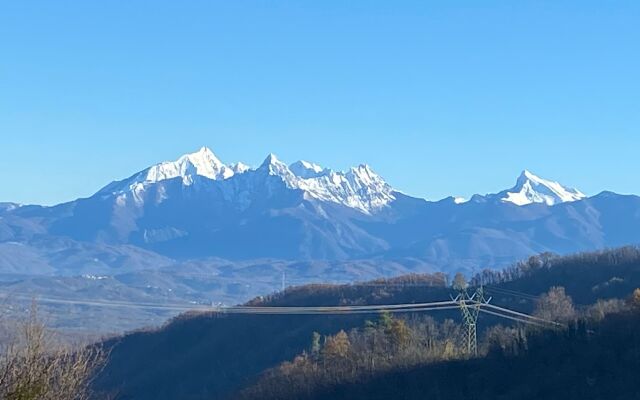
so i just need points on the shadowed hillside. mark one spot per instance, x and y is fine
(599, 362)
(212, 355)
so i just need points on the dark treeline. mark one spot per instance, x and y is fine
(208, 355)
(623, 256)
(595, 356)
(586, 276)
(407, 288)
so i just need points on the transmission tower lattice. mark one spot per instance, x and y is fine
(470, 308)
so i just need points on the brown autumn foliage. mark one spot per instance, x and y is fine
(556, 306)
(34, 366)
(395, 346)
(386, 344)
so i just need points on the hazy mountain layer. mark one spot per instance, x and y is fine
(232, 226)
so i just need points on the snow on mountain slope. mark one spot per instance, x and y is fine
(306, 211)
(359, 188)
(532, 189)
(305, 169)
(202, 163)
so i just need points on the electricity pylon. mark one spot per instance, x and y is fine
(470, 308)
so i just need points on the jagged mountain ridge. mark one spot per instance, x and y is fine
(197, 206)
(358, 188)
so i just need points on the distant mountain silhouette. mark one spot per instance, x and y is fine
(199, 207)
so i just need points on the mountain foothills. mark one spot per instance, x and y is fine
(199, 207)
(219, 355)
(199, 231)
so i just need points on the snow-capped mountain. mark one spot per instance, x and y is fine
(202, 163)
(359, 188)
(532, 189)
(199, 206)
(210, 221)
(305, 169)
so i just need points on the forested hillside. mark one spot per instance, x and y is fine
(586, 361)
(214, 355)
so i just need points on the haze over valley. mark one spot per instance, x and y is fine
(197, 232)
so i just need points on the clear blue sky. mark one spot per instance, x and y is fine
(440, 97)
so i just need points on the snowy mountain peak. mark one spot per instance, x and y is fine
(200, 163)
(526, 175)
(358, 188)
(530, 188)
(203, 152)
(203, 163)
(365, 173)
(274, 166)
(271, 160)
(305, 169)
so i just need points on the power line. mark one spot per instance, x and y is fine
(469, 305)
(526, 321)
(266, 311)
(520, 314)
(406, 307)
(109, 303)
(511, 292)
(336, 309)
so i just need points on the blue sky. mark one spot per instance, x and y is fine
(440, 97)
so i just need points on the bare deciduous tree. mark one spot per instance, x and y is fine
(34, 366)
(555, 305)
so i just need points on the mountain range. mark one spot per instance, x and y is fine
(198, 207)
(237, 225)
